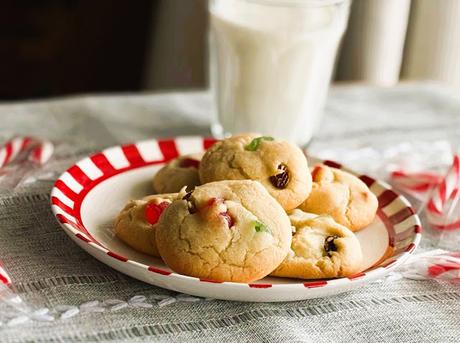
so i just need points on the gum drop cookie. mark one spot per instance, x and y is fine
(278, 165)
(224, 231)
(180, 172)
(137, 222)
(341, 195)
(321, 248)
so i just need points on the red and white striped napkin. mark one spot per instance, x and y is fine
(8, 294)
(436, 264)
(20, 157)
(441, 193)
(39, 151)
(4, 277)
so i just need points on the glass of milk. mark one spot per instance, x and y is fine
(271, 63)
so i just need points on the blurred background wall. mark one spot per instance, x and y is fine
(433, 41)
(177, 47)
(372, 49)
(57, 47)
(53, 47)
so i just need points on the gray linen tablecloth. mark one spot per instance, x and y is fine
(50, 270)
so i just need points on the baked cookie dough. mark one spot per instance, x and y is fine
(136, 223)
(278, 165)
(224, 231)
(341, 195)
(321, 248)
(180, 172)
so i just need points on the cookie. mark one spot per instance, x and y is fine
(341, 195)
(278, 165)
(180, 172)
(136, 223)
(321, 248)
(224, 231)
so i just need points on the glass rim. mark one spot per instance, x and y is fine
(298, 3)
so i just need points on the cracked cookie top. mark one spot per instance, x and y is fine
(278, 165)
(321, 248)
(341, 195)
(180, 172)
(224, 231)
(136, 223)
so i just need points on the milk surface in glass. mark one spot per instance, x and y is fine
(271, 63)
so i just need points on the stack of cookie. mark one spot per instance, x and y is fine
(250, 207)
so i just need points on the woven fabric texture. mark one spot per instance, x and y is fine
(49, 270)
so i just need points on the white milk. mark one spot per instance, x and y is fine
(271, 65)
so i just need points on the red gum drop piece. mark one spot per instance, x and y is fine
(228, 218)
(163, 205)
(189, 163)
(214, 201)
(315, 171)
(154, 211)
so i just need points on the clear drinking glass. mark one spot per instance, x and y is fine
(271, 63)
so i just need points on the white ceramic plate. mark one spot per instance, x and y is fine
(87, 197)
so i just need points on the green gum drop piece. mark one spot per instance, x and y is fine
(261, 227)
(256, 142)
